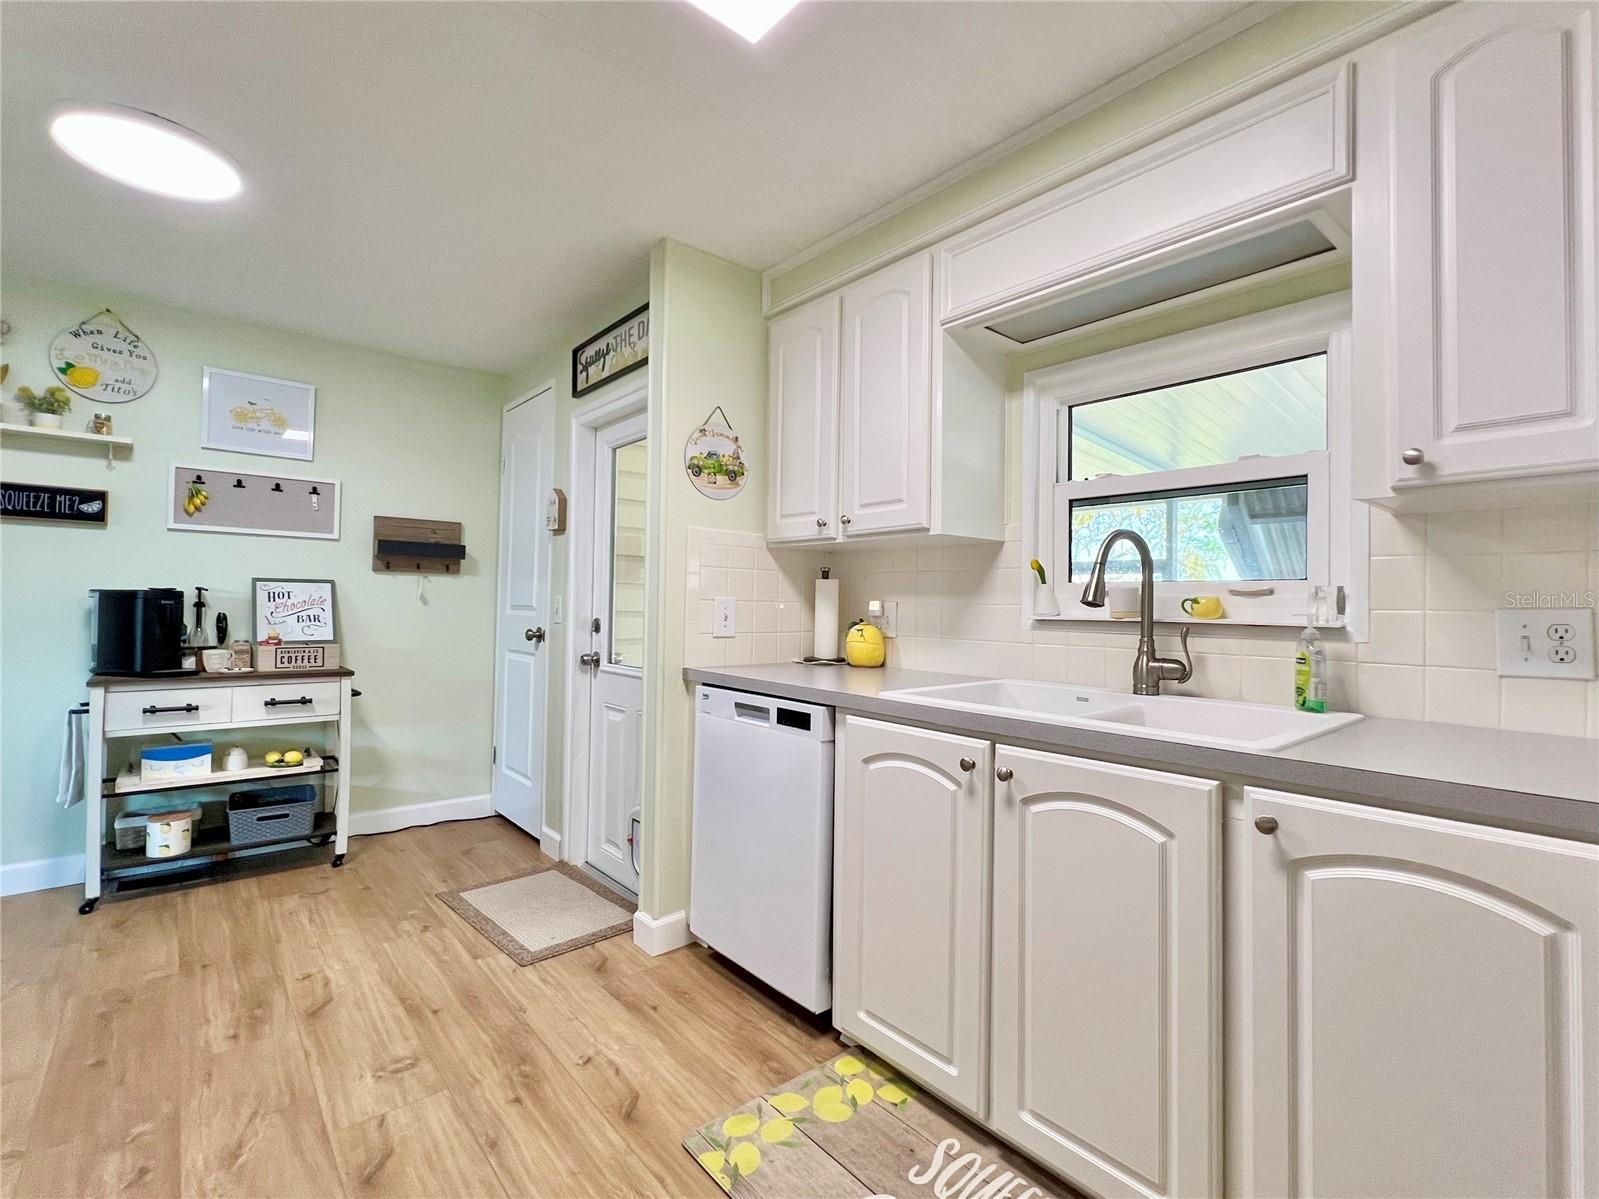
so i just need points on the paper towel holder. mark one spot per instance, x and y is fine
(811, 659)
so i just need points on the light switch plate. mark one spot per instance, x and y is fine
(724, 616)
(1545, 643)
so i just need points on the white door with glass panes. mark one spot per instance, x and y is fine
(1225, 449)
(885, 401)
(521, 676)
(616, 652)
(802, 408)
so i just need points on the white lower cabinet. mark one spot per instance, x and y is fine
(1105, 1057)
(910, 902)
(1423, 1002)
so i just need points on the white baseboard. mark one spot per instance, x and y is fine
(656, 935)
(550, 842)
(40, 874)
(411, 815)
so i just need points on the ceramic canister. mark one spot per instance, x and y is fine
(169, 834)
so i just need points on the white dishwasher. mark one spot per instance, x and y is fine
(761, 887)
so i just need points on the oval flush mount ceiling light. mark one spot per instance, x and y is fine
(145, 151)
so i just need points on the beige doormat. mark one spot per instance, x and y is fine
(852, 1126)
(535, 916)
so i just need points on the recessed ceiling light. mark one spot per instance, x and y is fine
(750, 19)
(145, 151)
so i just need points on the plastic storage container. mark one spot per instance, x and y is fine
(271, 814)
(174, 763)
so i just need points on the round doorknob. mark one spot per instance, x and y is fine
(534, 634)
(1004, 774)
(1266, 824)
(968, 765)
(1413, 457)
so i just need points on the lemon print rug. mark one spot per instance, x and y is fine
(854, 1127)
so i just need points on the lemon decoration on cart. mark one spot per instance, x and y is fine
(833, 1093)
(864, 645)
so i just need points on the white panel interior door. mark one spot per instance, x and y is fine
(910, 910)
(803, 416)
(616, 652)
(521, 677)
(1424, 1005)
(1107, 967)
(886, 400)
(1494, 117)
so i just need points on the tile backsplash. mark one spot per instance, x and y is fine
(1436, 580)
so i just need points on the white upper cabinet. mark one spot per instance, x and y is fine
(1476, 331)
(1421, 1006)
(1106, 966)
(910, 918)
(885, 400)
(802, 363)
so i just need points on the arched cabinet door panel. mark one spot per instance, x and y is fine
(910, 914)
(1425, 1005)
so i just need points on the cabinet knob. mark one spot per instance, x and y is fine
(968, 765)
(820, 523)
(843, 520)
(1266, 824)
(1004, 774)
(1412, 457)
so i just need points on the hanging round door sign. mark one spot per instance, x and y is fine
(714, 460)
(103, 360)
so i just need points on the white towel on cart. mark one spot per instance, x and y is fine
(70, 790)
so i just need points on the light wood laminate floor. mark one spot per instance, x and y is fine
(340, 1032)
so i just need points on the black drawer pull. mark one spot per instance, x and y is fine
(152, 710)
(283, 703)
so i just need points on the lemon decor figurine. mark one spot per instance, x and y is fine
(863, 645)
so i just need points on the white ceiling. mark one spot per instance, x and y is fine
(459, 181)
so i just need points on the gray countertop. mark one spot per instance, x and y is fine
(1528, 781)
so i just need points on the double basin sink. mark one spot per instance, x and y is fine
(1224, 724)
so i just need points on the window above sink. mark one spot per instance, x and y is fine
(1226, 448)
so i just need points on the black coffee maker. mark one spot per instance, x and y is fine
(138, 632)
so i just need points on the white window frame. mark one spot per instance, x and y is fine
(1337, 553)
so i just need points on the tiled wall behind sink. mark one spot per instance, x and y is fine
(1435, 579)
(773, 590)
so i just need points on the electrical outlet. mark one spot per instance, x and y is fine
(1547, 643)
(885, 615)
(724, 616)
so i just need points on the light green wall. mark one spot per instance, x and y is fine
(707, 347)
(405, 438)
(552, 365)
(1261, 48)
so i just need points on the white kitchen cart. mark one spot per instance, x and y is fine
(121, 708)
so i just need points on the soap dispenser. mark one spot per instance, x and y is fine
(1310, 669)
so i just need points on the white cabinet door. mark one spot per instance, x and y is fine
(1483, 121)
(910, 890)
(803, 422)
(1424, 1005)
(886, 401)
(1107, 972)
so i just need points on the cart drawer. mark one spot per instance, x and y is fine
(288, 700)
(174, 707)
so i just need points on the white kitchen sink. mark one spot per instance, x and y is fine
(1226, 724)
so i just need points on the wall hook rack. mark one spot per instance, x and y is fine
(405, 546)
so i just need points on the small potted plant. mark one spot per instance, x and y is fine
(45, 410)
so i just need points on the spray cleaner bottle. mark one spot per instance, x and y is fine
(1310, 669)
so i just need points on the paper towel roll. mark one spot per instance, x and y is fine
(826, 618)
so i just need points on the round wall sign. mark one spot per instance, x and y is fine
(714, 460)
(103, 360)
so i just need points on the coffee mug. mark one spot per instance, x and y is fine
(1203, 607)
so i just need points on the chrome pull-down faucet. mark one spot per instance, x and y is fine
(1149, 669)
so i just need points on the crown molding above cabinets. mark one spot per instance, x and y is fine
(1476, 315)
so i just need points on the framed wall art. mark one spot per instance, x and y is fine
(292, 610)
(612, 353)
(256, 414)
